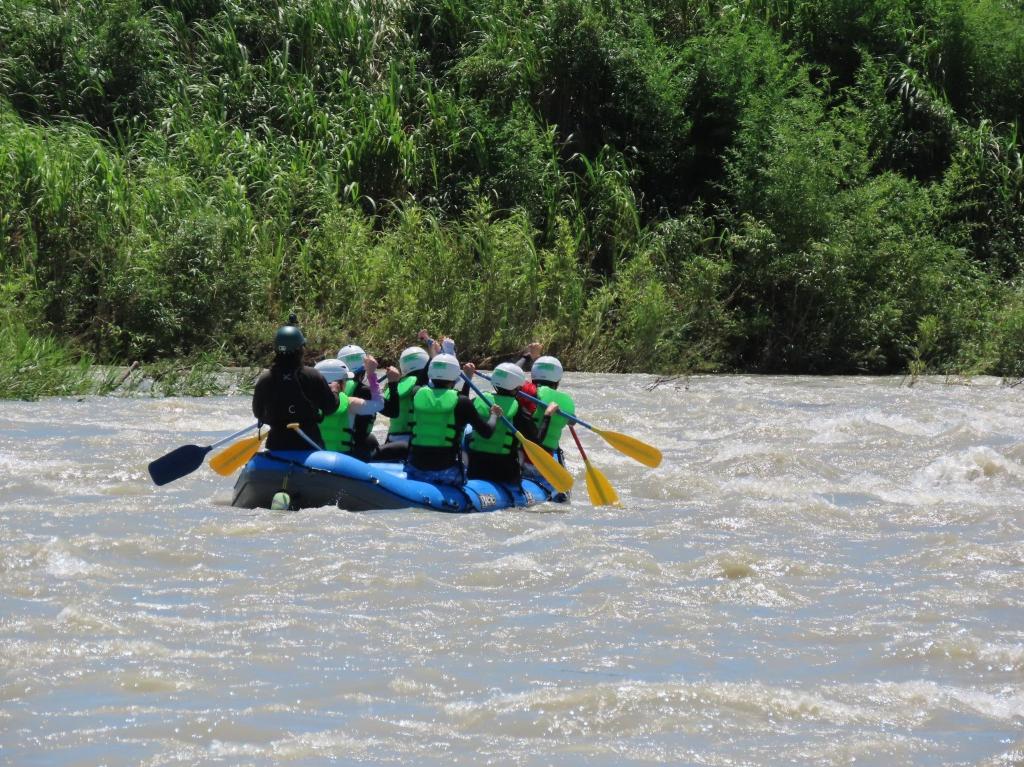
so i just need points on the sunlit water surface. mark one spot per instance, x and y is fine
(823, 571)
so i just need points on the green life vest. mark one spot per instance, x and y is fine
(402, 423)
(547, 395)
(434, 425)
(499, 443)
(335, 430)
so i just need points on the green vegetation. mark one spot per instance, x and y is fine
(32, 366)
(814, 186)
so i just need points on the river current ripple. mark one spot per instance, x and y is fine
(823, 571)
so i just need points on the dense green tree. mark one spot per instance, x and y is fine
(798, 185)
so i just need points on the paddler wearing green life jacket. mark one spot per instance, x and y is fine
(410, 373)
(338, 428)
(496, 458)
(364, 442)
(441, 415)
(547, 374)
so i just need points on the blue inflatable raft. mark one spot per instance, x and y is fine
(325, 478)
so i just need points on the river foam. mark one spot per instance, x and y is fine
(824, 571)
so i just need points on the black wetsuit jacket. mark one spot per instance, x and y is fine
(287, 394)
(363, 424)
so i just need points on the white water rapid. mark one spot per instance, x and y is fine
(823, 571)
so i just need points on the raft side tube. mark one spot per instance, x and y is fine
(325, 478)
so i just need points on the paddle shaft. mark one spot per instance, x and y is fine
(230, 437)
(305, 436)
(185, 459)
(578, 444)
(639, 451)
(539, 401)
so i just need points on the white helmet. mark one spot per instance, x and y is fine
(444, 367)
(547, 369)
(414, 358)
(333, 370)
(352, 356)
(508, 376)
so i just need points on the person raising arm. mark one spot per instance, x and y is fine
(339, 429)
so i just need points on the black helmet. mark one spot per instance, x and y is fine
(288, 339)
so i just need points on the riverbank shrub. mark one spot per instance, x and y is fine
(641, 185)
(34, 366)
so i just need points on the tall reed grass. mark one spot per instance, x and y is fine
(640, 184)
(34, 366)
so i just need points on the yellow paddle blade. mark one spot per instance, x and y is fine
(646, 454)
(233, 457)
(546, 464)
(600, 489)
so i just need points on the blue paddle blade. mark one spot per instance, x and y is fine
(177, 463)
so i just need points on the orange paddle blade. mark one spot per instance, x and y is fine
(233, 457)
(546, 464)
(599, 488)
(646, 454)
